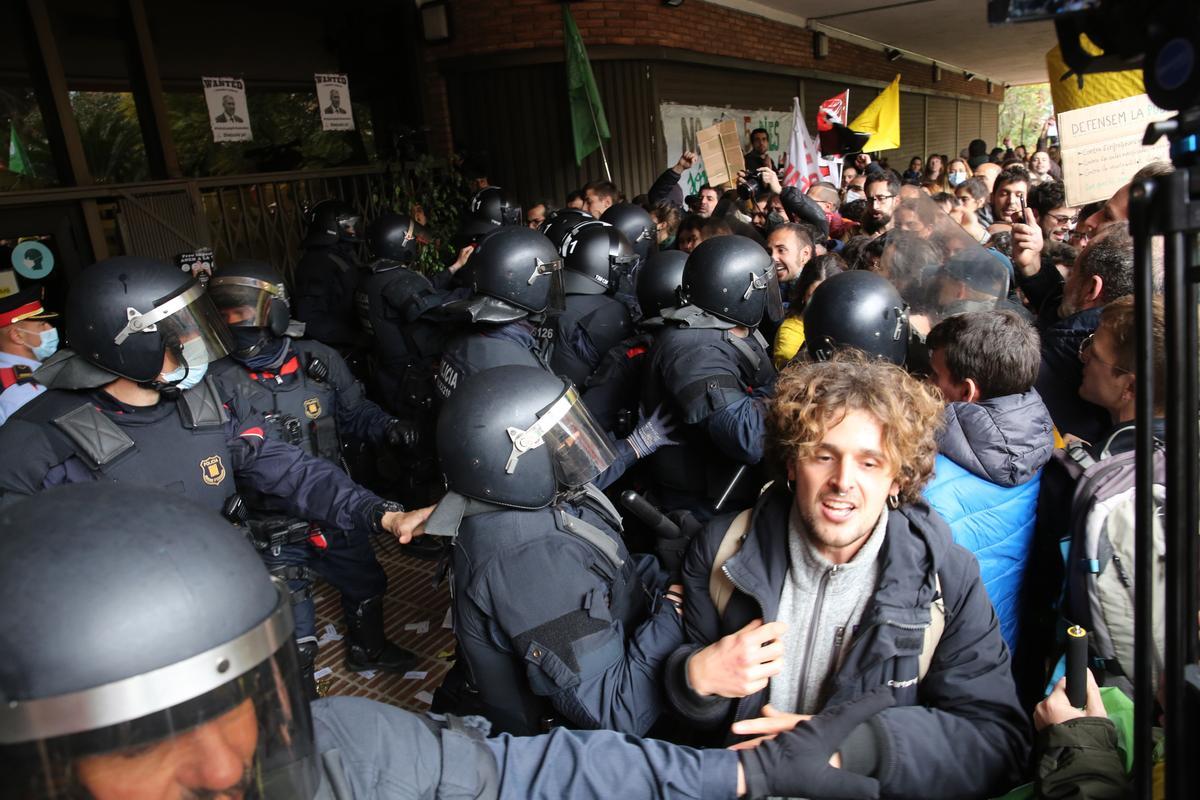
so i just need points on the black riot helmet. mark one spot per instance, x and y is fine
(493, 204)
(396, 237)
(125, 314)
(517, 436)
(593, 252)
(561, 222)
(140, 625)
(331, 221)
(732, 277)
(637, 225)
(857, 309)
(658, 282)
(514, 272)
(253, 299)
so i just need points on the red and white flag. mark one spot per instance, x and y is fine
(835, 110)
(802, 153)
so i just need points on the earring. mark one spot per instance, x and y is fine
(893, 501)
(790, 485)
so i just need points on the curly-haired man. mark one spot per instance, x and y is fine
(841, 581)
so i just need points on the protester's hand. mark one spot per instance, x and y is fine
(685, 162)
(739, 664)
(406, 525)
(653, 431)
(799, 762)
(772, 723)
(770, 179)
(1027, 244)
(861, 160)
(463, 255)
(1056, 708)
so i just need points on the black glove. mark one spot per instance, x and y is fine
(796, 763)
(671, 551)
(401, 433)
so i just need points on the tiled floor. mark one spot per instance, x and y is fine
(411, 599)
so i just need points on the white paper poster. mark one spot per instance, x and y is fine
(333, 98)
(1102, 146)
(227, 110)
(681, 124)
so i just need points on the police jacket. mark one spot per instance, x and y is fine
(714, 382)
(194, 446)
(484, 347)
(312, 401)
(985, 485)
(614, 391)
(372, 751)
(557, 622)
(1061, 373)
(390, 300)
(325, 281)
(959, 732)
(590, 325)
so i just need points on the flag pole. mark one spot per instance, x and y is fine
(599, 138)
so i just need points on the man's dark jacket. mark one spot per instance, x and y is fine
(959, 732)
(1061, 373)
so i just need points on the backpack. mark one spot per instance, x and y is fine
(720, 588)
(1099, 594)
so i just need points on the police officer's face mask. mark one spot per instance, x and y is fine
(47, 345)
(192, 370)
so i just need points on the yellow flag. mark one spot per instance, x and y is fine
(1098, 87)
(881, 119)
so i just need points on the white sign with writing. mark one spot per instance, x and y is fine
(681, 124)
(333, 98)
(227, 110)
(1102, 146)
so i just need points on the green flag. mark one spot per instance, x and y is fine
(587, 114)
(18, 156)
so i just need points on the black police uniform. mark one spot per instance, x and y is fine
(513, 343)
(195, 446)
(714, 382)
(325, 281)
(585, 331)
(557, 624)
(308, 402)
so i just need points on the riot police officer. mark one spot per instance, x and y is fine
(307, 397)
(857, 309)
(488, 209)
(327, 275)
(151, 658)
(514, 279)
(556, 622)
(639, 228)
(594, 255)
(131, 402)
(713, 370)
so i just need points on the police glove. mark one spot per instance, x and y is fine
(403, 434)
(672, 550)
(652, 432)
(796, 763)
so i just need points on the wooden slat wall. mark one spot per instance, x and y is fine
(989, 124)
(941, 125)
(968, 125)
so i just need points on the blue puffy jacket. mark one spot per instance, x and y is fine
(985, 485)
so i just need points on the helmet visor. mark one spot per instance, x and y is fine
(187, 319)
(244, 302)
(551, 272)
(250, 736)
(579, 449)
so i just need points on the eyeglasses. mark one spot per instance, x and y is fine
(1085, 353)
(879, 198)
(1063, 219)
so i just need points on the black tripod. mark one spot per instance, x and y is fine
(1169, 206)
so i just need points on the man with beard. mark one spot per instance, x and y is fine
(1054, 216)
(882, 189)
(1008, 195)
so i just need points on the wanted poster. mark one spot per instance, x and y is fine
(333, 98)
(227, 110)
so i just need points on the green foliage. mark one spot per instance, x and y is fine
(1023, 113)
(437, 187)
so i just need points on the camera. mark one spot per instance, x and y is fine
(750, 187)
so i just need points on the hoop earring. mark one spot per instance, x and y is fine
(893, 501)
(791, 486)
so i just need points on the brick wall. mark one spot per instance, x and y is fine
(483, 27)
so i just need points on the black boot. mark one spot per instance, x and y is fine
(367, 647)
(307, 649)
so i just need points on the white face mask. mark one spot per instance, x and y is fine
(956, 178)
(854, 194)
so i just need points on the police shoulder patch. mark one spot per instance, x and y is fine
(212, 469)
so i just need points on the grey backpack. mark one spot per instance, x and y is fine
(1100, 560)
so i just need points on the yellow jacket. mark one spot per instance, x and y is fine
(788, 341)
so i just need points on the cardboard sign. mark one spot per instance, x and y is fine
(1102, 146)
(227, 110)
(722, 152)
(333, 98)
(682, 124)
(199, 264)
